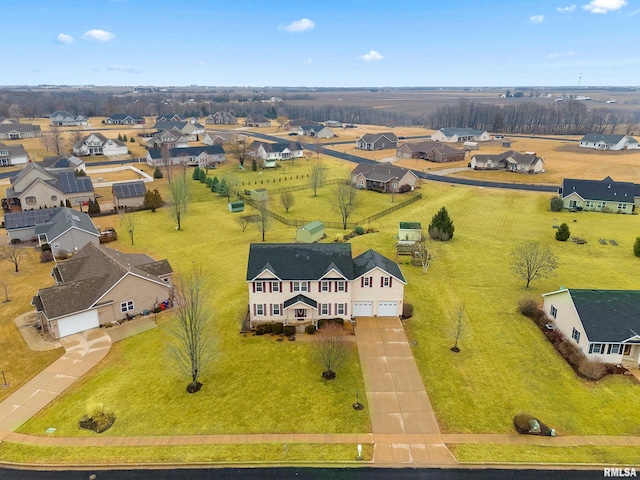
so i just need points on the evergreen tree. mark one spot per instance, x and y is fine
(223, 190)
(441, 226)
(196, 173)
(119, 137)
(563, 233)
(152, 200)
(157, 173)
(94, 207)
(215, 184)
(124, 137)
(202, 175)
(636, 247)
(254, 164)
(132, 140)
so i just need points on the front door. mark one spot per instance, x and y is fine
(627, 350)
(301, 313)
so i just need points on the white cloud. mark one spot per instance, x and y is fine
(371, 56)
(568, 9)
(536, 19)
(604, 6)
(99, 35)
(64, 38)
(122, 68)
(298, 26)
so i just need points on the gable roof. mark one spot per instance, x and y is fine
(381, 172)
(313, 227)
(510, 156)
(370, 260)
(13, 150)
(606, 190)
(64, 219)
(19, 127)
(28, 218)
(374, 137)
(122, 116)
(276, 147)
(451, 131)
(133, 189)
(410, 225)
(606, 138)
(70, 161)
(429, 145)
(156, 153)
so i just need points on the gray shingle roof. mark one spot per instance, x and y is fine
(451, 131)
(19, 127)
(276, 147)
(606, 190)
(129, 189)
(373, 137)
(28, 218)
(371, 259)
(64, 219)
(606, 138)
(380, 172)
(156, 153)
(70, 161)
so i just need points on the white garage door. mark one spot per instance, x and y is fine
(387, 309)
(362, 309)
(78, 323)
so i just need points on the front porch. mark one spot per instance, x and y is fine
(300, 310)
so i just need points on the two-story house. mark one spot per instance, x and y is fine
(97, 144)
(298, 284)
(268, 154)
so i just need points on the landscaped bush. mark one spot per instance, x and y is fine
(15, 241)
(528, 306)
(563, 233)
(404, 188)
(261, 329)
(46, 256)
(310, 329)
(98, 419)
(289, 330)
(44, 247)
(359, 230)
(407, 310)
(528, 424)
(556, 204)
(592, 369)
(268, 328)
(157, 173)
(323, 321)
(276, 328)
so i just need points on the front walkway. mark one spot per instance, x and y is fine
(405, 429)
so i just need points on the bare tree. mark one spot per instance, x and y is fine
(458, 325)
(165, 152)
(317, 177)
(282, 120)
(243, 222)
(193, 343)
(231, 181)
(6, 292)
(331, 349)
(13, 254)
(52, 140)
(238, 148)
(344, 201)
(179, 197)
(287, 200)
(129, 222)
(264, 218)
(76, 136)
(531, 260)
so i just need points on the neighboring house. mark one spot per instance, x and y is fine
(202, 156)
(603, 323)
(217, 138)
(99, 286)
(257, 120)
(8, 121)
(333, 124)
(269, 153)
(377, 141)
(315, 131)
(297, 123)
(410, 231)
(383, 177)
(98, 144)
(191, 131)
(600, 195)
(64, 163)
(16, 131)
(170, 117)
(510, 161)
(460, 135)
(123, 119)
(311, 232)
(61, 118)
(35, 187)
(172, 138)
(129, 194)
(601, 141)
(431, 151)
(221, 118)
(299, 284)
(12, 155)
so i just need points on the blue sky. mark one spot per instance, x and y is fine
(330, 43)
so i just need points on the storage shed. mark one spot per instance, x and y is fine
(236, 206)
(411, 231)
(470, 146)
(260, 195)
(311, 232)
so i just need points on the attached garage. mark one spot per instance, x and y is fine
(362, 309)
(78, 323)
(388, 309)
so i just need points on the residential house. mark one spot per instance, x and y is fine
(601, 141)
(170, 117)
(202, 156)
(256, 120)
(12, 155)
(97, 144)
(460, 135)
(64, 162)
(299, 284)
(333, 124)
(35, 187)
(129, 194)
(410, 231)
(377, 141)
(268, 154)
(315, 131)
(600, 195)
(383, 177)
(510, 160)
(191, 131)
(99, 286)
(604, 324)
(221, 118)
(294, 125)
(431, 151)
(61, 118)
(217, 138)
(311, 232)
(123, 119)
(17, 131)
(172, 138)
(8, 121)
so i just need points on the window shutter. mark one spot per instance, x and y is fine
(281, 310)
(382, 281)
(308, 286)
(270, 287)
(390, 281)
(370, 281)
(255, 310)
(346, 286)
(362, 282)
(253, 284)
(271, 309)
(291, 286)
(329, 308)
(320, 286)
(346, 306)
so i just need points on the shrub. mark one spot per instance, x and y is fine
(46, 256)
(132, 140)
(324, 321)
(407, 310)
(45, 246)
(359, 230)
(97, 419)
(441, 227)
(404, 188)
(202, 176)
(636, 247)
(268, 327)
(196, 174)
(592, 369)
(289, 330)
(522, 422)
(556, 204)
(208, 182)
(528, 306)
(261, 329)
(277, 328)
(339, 238)
(563, 233)
(15, 241)
(310, 329)
(157, 173)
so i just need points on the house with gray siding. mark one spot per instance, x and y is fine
(377, 141)
(601, 141)
(604, 195)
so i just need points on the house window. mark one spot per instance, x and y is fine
(386, 281)
(340, 308)
(126, 306)
(554, 311)
(54, 198)
(300, 287)
(30, 200)
(324, 309)
(341, 286)
(614, 349)
(275, 286)
(324, 286)
(259, 309)
(600, 205)
(573, 203)
(276, 309)
(259, 287)
(596, 348)
(622, 206)
(589, 204)
(575, 334)
(366, 282)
